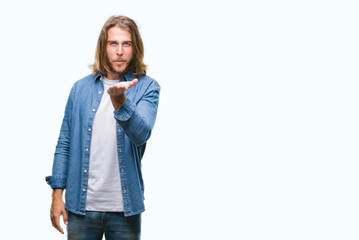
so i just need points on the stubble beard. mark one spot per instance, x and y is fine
(114, 71)
(120, 73)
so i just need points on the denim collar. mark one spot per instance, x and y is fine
(127, 77)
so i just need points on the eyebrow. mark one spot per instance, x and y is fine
(117, 41)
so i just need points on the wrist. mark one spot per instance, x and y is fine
(117, 101)
(57, 193)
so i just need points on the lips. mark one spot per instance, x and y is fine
(119, 61)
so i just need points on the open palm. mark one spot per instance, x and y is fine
(121, 87)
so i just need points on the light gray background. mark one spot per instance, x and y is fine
(257, 130)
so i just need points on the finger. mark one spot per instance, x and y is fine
(110, 90)
(133, 82)
(65, 218)
(52, 221)
(57, 224)
(119, 89)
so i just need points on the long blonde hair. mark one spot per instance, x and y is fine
(136, 65)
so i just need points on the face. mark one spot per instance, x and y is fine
(119, 51)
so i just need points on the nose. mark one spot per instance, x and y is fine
(119, 50)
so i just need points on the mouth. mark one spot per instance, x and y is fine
(119, 61)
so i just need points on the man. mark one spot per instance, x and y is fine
(108, 118)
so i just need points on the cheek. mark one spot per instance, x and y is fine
(109, 52)
(129, 53)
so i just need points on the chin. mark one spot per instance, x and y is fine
(121, 69)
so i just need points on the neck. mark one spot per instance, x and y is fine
(114, 75)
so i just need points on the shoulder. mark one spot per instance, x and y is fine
(85, 80)
(146, 81)
(84, 83)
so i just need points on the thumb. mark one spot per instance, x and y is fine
(134, 81)
(65, 218)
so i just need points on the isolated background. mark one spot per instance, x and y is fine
(257, 129)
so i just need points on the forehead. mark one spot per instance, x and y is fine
(118, 34)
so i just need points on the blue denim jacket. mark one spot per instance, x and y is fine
(135, 120)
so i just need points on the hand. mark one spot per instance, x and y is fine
(58, 209)
(121, 87)
(117, 92)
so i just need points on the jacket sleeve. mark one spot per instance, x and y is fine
(62, 152)
(137, 120)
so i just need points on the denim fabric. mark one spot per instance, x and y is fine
(93, 225)
(134, 122)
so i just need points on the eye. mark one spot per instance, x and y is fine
(127, 44)
(112, 43)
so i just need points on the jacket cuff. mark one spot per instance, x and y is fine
(56, 181)
(124, 112)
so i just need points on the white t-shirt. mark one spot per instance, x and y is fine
(104, 184)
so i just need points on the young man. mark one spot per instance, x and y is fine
(108, 118)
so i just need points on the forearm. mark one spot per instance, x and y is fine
(137, 115)
(136, 128)
(62, 152)
(137, 121)
(117, 101)
(58, 179)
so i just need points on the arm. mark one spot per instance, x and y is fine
(137, 119)
(59, 169)
(62, 152)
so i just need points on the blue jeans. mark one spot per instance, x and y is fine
(93, 225)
